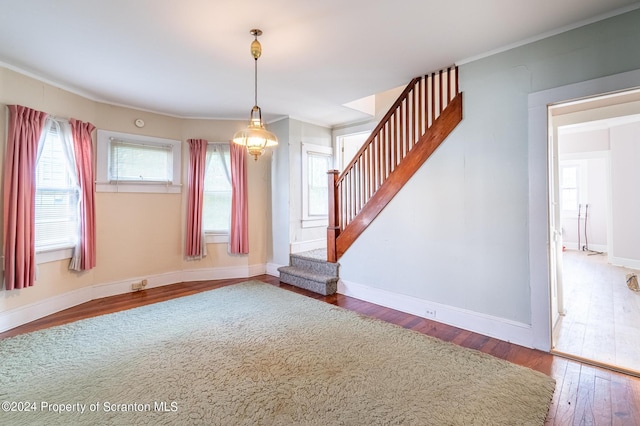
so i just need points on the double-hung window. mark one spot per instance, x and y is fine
(216, 209)
(573, 185)
(316, 161)
(569, 176)
(57, 190)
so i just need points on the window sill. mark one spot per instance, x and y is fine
(138, 187)
(315, 223)
(216, 238)
(53, 255)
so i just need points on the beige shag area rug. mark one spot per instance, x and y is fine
(254, 354)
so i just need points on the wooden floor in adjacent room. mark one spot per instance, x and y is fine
(602, 316)
(584, 394)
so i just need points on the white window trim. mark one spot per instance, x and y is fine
(103, 183)
(312, 221)
(581, 164)
(216, 237)
(53, 255)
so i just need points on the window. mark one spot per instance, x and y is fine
(316, 161)
(136, 162)
(133, 163)
(569, 188)
(57, 194)
(216, 209)
(573, 185)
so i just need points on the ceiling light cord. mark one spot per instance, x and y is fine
(255, 78)
(255, 137)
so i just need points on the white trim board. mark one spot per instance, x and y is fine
(33, 311)
(499, 328)
(602, 248)
(272, 269)
(625, 263)
(539, 238)
(302, 246)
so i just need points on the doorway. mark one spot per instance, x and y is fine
(593, 146)
(348, 146)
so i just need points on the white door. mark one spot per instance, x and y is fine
(349, 146)
(555, 229)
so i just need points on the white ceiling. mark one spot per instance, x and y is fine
(190, 58)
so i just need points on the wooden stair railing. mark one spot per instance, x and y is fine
(422, 117)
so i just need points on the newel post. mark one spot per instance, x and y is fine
(333, 230)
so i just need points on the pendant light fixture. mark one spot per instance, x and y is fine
(255, 137)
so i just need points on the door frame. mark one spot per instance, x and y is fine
(538, 212)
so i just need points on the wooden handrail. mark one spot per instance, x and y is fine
(401, 129)
(380, 125)
(429, 142)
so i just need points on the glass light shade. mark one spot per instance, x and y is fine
(255, 137)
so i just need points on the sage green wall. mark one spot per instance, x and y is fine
(279, 254)
(458, 232)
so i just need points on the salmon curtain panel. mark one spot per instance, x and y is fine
(84, 254)
(25, 132)
(239, 232)
(195, 244)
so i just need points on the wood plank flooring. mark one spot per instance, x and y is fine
(585, 395)
(602, 320)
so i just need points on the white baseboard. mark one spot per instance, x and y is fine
(222, 273)
(33, 311)
(593, 247)
(499, 328)
(626, 263)
(301, 246)
(124, 286)
(272, 269)
(25, 314)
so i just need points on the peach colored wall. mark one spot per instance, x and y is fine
(138, 234)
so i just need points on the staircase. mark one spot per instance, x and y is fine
(311, 271)
(422, 117)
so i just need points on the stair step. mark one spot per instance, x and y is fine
(318, 283)
(316, 265)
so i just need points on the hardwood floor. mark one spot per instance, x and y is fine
(602, 320)
(584, 394)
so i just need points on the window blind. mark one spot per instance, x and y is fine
(216, 208)
(56, 202)
(140, 162)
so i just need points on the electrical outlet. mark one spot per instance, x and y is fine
(430, 313)
(139, 285)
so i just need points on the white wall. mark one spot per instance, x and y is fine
(592, 130)
(303, 133)
(288, 234)
(591, 150)
(625, 177)
(460, 235)
(280, 197)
